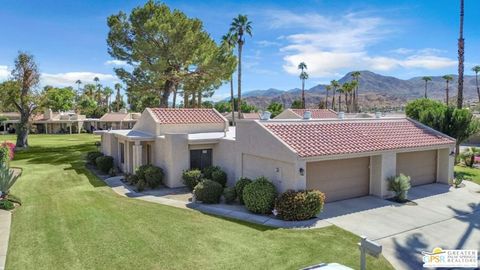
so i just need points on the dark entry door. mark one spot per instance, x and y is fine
(200, 159)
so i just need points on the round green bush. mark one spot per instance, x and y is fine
(132, 179)
(229, 194)
(299, 205)
(191, 178)
(140, 171)
(104, 163)
(208, 191)
(240, 185)
(259, 196)
(92, 157)
(153, 176)
(220, 177)
(6, 205)
(208, 171)
(141, 185)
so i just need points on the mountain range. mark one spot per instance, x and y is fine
(375, 91)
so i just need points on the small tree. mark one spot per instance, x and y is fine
(297, 104)
(400, 186)
(275, 108)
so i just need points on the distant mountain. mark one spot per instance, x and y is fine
(375, 90)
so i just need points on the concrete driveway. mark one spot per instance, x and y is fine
(444, 217)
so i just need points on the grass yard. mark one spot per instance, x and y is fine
(70, 220)
(467, 172)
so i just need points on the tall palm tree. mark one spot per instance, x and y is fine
(240, 27)
(107, 92)
(303, 76)
(78, 83)
(229, 41)
(448, 79)
(98, 92)
(341, 91)
(352, 88)
(461, 59)
(118, 97)
(335, 85)
(476, 69)
(328, 88)
(426, 79)
(356, 76)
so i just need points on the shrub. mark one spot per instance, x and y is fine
(132, 179)
(4, 152)
(259, 196)
(141, 184)
(191, 178)
(153, 176)
(208, 191)
(92, 157)
(208, 171)
(240, 185)
(220, 177)
(229, 194)
(299, 205)
(457, 182)
(6, 205)
(7, 151)
(400, 186)
(7, 179)
(104, 163)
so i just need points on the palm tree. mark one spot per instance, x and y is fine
(229, 41)
(240, 27)
(476, 69)
(448, 79)
(341, 91)
(461, 51)
(78, 83)
(107, 92)
(303, 76)
(352, 87)
(335, 85)
(426, 79)
(327, 89)
(118, 97)
(98, 92)
(356, 76)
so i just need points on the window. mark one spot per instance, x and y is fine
(122, 153)
(200, 159)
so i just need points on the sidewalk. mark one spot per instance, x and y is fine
(5, 219)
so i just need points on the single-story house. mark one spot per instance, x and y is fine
(313, 114)
(113, 120)
(345, 158)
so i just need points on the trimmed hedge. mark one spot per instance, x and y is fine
(208, 171)
(150, 175)
(191, 178)
(92, 157)
(220, 177)
(299, 205)
(239, 186)
(259, 196)
(104, 163)
(229, 194)
(208, 191)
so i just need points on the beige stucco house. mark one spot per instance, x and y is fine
(345, 158)
(312, 114)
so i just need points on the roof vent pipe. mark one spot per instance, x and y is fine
(307, 115)
(378, 115)
(341, 115)
(265, 116)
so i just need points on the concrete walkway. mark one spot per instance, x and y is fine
(164, 196)
(5, 219)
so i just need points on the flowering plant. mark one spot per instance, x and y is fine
(11, 149)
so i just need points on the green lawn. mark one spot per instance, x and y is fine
(469, 173)
(70, 220)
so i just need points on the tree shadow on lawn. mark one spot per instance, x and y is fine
(73, 155)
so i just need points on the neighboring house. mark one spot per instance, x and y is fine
(300, 113)
(251, 116)
(345, 158)
(48, 122)
(113, 120)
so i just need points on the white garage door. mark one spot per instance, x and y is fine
(421, 166)
(340, 179)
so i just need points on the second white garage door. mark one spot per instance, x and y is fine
(421, 166)
(340, 179)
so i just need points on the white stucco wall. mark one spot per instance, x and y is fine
(147, 123)
(224, 156)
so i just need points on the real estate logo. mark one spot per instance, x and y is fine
(450, 258)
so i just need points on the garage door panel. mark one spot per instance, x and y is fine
(421, 166)
(340, 179)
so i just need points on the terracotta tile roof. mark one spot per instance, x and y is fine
(316, 113)
(187, 116)
(114, 117)
(310, 139)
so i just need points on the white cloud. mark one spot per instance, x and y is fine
(69, 78)
(4, 72)
(266, 43)
(331, 44)
(116, 63)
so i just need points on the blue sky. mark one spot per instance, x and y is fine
(399, 38)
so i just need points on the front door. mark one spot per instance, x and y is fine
(200, 159)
